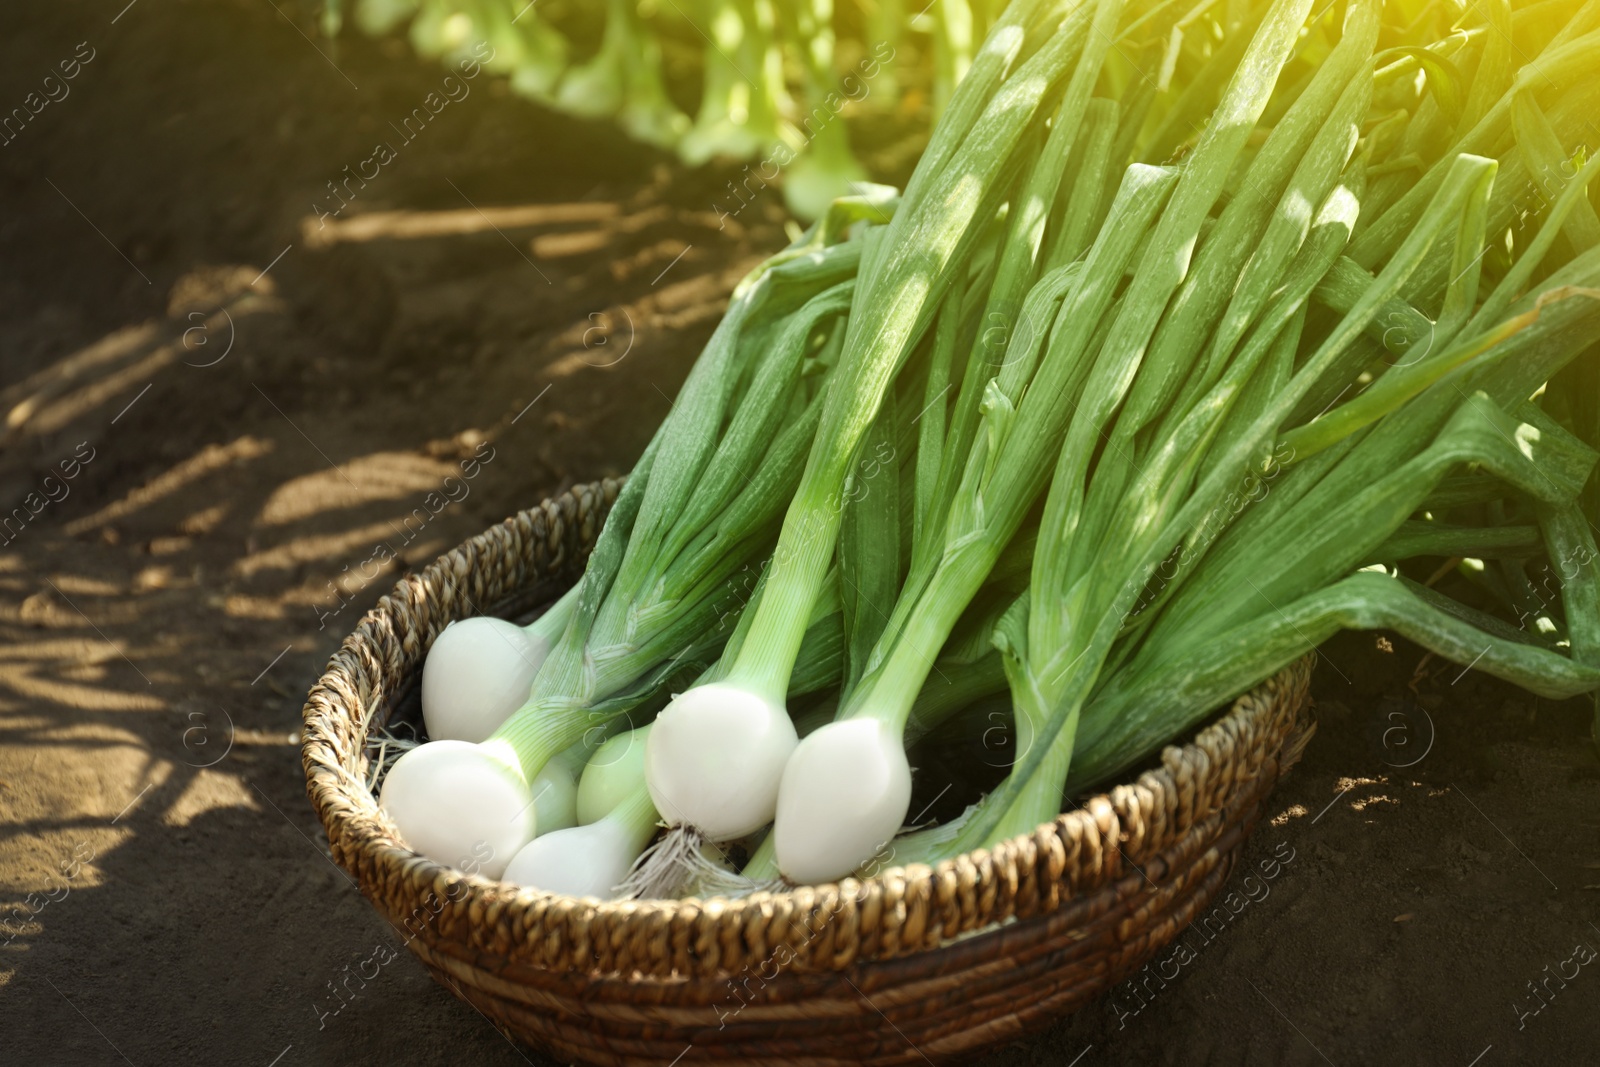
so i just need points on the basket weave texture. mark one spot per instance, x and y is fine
(911, 965)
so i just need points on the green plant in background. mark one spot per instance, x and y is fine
(778, 82)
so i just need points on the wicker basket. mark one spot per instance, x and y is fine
(912, 965)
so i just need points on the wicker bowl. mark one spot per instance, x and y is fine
(912, 965)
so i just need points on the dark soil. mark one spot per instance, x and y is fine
(227, 408)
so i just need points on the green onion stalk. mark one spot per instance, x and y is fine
(1004, 474)
(1288, 573)
(1155, 217)
(1545, 464)
(737, 728)
(1042, 660)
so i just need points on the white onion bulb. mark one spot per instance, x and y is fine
(477, 673)
(844, 796)
(714, 758)
(459, 805)
(581, 861)
(592, 860)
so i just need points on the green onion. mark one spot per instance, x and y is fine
(1109, 441)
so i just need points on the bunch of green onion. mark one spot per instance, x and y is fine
(1196, 336)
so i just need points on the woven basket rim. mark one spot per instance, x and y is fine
(365, 842)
